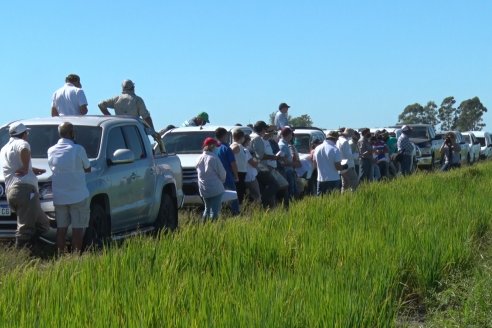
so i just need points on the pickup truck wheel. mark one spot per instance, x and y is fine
(98, 230)
(167, 218)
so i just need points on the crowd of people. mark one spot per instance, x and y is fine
(265, 167)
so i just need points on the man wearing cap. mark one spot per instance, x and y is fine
(69, 99)
(287, 161)
(328, 162)
(21, 185)
(128, 103)
(199, 120)
(281, 117)
(69, 163)
(405, 148)
(350, 180)
(228, 160)
(268, 185)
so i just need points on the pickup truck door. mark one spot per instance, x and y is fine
(127, 194)
(143, 176)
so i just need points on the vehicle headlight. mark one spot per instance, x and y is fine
(45, 190)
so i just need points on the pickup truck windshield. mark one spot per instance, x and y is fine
(186, 142)
(42, 137)
(301, 141)
(420, 132)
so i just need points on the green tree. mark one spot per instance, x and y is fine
(470, 114)
(447, 114)
(416, 113)
(303, 120)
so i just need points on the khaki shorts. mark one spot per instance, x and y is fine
(77, 214)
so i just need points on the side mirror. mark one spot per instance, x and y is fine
(122, 156)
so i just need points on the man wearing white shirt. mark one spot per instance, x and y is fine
(69, 163)
(328, 162)
(21, 185)
(350, 180)
(69, 99)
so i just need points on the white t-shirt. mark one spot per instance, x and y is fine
(68, 160)
(345, 151)
(326, 155)
(251, 172)
(240, 157)
(68, 99)
(11, 160)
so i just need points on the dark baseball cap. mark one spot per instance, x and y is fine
(283, 105)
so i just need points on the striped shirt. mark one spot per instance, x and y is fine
(404, 144)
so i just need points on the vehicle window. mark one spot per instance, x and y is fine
(42, 137)
(420, 132)
(186, 142)
(302, 143)
(134, 141)
(115, 141)
(482, 141)
(466, 138)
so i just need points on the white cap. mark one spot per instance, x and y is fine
(17, 128)
(405, 128)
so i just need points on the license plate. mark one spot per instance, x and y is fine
(5, 211)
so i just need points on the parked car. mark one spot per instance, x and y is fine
(465, 156)
(424, 136)
(485, 140)
(130, 186)
(474, 144)
(186, 143)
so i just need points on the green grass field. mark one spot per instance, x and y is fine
(356, 260)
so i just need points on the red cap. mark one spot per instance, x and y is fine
(210, 141)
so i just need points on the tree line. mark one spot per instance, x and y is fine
(465, 117)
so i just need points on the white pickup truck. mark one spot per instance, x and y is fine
(187, 142)
(131, 185)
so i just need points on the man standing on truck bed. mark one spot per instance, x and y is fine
(128, 103)
(22, 186)
(69, 99)
(69, 163)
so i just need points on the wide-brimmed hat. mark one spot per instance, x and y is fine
(17, 128)
(348, 132)
(406, 128)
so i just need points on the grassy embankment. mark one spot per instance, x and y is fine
(341, 261)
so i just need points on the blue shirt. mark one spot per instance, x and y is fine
(227, 157)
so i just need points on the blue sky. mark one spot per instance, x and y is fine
(345, 63)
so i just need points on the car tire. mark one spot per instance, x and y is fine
(167, 217)
(99, 229)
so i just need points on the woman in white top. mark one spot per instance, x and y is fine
(211, 177)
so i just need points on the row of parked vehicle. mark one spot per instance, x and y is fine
(138, 182)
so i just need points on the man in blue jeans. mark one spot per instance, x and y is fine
(328, 162)
(228, 160)
(405, 147)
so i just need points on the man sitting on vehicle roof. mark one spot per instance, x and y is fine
(199, 120)
(128, 103)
